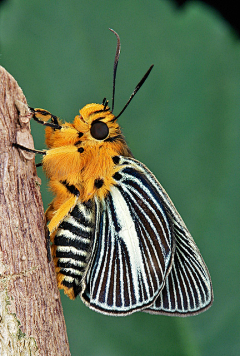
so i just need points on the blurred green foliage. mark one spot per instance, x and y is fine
(183, 124)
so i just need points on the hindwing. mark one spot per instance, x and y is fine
(188, 288)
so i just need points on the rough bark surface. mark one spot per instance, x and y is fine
(31, 317)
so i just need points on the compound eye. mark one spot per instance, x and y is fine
(99, 130)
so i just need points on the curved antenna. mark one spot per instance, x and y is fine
(135, 90)
(118, 49)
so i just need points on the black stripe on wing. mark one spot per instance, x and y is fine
(188, 288)
(134, 248)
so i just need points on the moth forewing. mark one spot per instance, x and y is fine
(132, 260)
(188, 288)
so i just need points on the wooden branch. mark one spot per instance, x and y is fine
(31, 317)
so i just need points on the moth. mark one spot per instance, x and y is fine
(117, 239)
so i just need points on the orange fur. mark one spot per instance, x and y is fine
(63, 162)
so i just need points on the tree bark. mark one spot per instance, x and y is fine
(31, 317)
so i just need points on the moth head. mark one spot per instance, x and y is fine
(99, 119)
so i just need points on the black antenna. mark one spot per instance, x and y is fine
(135, 91)
(115, 64)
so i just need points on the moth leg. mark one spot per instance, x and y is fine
(42, 116)
(39, 164)
(29, 149)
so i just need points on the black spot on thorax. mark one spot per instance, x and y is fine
(71, 188)
(98, 183)
(116, 159)
(117, 176)
(77, 143)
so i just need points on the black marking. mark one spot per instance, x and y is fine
(76, 288)
(98, 183)
(71, 188)
(117, 176)
(112, 212)
(69, 264)
(71, 273)
(74, 230)
(67, 284)
(80, 134)
(42, 112)
(54, 119)
(88, 204)
(116, 159)
(99, 118)
(97, 112)
(80, 150)
(114, 138)
(70, 254)
(77, 143)
(79, 217)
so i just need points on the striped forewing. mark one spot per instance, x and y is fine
(134, 249)
(188, 287)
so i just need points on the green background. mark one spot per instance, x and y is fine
(183, 124)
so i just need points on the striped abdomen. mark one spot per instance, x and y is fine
(73, 242)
